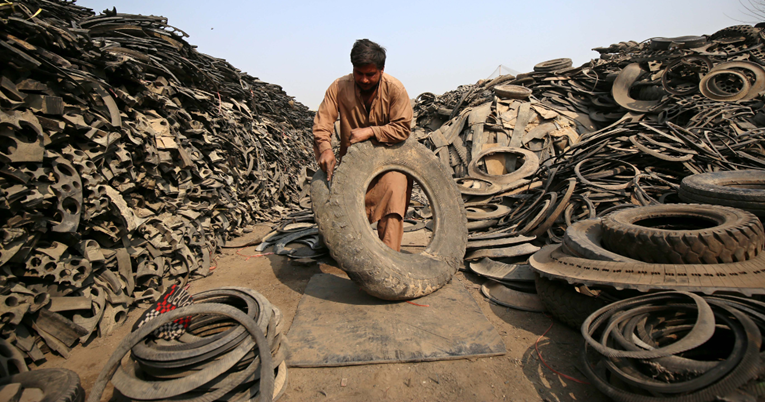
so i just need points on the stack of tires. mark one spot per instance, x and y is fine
(234, 349)
(722, 226)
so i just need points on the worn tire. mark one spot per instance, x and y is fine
(377, 269)
(699, 234)
(565, 303)
(57, 384)
(743, 189)
(584, 239)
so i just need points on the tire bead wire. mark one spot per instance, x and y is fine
(631, 331)
(232, 370)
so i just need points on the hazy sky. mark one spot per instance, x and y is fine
(432, 46)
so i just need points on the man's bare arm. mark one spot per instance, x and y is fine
(327, 163)
(361, 134)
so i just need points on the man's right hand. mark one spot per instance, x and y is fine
(327, 163)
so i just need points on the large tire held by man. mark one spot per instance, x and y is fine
(743, 189)
(377, 269)
(57, 384)
(684, 234)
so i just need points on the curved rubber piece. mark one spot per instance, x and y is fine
(490, 211)
(684, 234)
(702, 329)
(484, 189)
(621, 91)
(504, 296)
(747, 369)
(530, 165)
(57, 384)
(376, 268)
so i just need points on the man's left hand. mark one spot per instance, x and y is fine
(361, 134)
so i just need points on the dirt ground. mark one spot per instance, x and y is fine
(519, 375)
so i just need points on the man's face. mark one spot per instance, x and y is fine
(367, 76)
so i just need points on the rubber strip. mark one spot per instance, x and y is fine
(701, 332)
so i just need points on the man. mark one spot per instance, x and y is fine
(372, 106)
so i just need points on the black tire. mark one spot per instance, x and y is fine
(743, 189)
(584, 239)
(57, 384)
(377, 269)
(684, 234)
(565, 303)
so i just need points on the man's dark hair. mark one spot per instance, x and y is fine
(367, 52)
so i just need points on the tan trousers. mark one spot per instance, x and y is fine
(386, 202)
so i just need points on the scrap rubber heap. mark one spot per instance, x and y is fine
(127, 158)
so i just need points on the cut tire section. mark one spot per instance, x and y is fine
(377, 269)
(684, 234)
(530, 165)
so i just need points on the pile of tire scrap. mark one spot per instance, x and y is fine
(234, 349)
(535, 153)
(676, 346)
(127, 158)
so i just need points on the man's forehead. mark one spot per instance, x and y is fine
(366, 69)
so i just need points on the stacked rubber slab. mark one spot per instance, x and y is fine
(234, 350)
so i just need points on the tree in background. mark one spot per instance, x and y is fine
(754, 9)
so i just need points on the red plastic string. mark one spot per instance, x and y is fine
(421, 305)
(251, 256)
(214, 261)
(536, 346)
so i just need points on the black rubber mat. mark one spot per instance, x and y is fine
(337, 324)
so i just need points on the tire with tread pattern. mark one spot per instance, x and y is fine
(565, 303)
(584, 238)
(57, 384)
(744, 189)
(697, 234)
(377, 269)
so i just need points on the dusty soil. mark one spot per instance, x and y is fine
(519, 375)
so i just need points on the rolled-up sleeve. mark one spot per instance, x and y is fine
(324, 121)
(400, 124)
